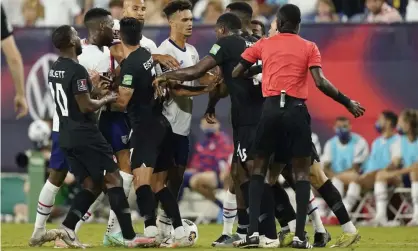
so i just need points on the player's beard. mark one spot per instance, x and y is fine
(78, 49)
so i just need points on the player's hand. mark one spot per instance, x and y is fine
(111, 97)
(159, 85)
(21, 107)
(95, 77)
(356, 109)
(166, 60)
(210, 117)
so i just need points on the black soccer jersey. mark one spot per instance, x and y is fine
(6, 28)
(246, 97)
(138, 72)
(66, 79)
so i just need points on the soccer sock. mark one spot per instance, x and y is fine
(81, 204)
(89, 212)
(243, 221)
(414, 195)
(303, 188)
(267, 221)
(313, 213)
(169, 204)
(164, 228)
(256, 191)
(339, 185)
(147, 205)
(284, 211)
(334, 201)
(381, 197)
(45, 202)
(113, 226)
(353, 195)
(229, 212)
(119, 205)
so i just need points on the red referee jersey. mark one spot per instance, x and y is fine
(286, 61)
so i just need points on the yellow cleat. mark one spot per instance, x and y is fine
(346, 239)
(286, 239)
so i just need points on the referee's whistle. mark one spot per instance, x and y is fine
(282, 98)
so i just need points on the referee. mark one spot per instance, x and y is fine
(285, 119)
(14, 60)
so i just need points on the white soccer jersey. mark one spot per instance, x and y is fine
(93, 58)
(178, 110)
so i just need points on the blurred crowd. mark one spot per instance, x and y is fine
(44, 13)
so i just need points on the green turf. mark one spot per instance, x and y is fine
(15, 237)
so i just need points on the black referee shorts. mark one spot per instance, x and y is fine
(286, 129)
(152, 145)
(282, 154)
(91, 161)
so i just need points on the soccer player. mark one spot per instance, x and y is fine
(245, 96)
(85, 149)
(151, 133)
(285, 112)
(258, 29)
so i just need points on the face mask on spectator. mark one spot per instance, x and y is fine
(378, 127)
(400, 130)
(343, 134)
(209, 131)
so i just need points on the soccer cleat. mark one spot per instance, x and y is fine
(268, 243)
(412, 223)
(286, 238)
(113, 240)
(70, 238)
(180, 243)
(346, 239)
(38, 239)
(140, 241)
(166, 242)
(226, 241)
(252, 241)
(297, 243)
(321, 239)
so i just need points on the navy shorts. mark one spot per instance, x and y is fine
(181, 146)
(115, 128)
(57, 160)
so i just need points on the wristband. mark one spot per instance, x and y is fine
(344, 100)
(210, 110)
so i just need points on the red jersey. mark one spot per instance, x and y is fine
(286, 60)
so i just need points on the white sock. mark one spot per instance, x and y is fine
(179, 232)
(229, 212)
(381, 196)
(349, 228)
(313, 213)
(353, 195)
(414, 195)
(164, 224)
(292, 225)
(339, 185)
(91, 210)
(113, 226)
(151, 231)
(45, 202)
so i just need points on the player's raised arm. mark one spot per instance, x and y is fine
(326, 87)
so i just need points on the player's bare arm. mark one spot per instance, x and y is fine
(242, 70)
(326, 87)
(87, 104)
(178, 89)
(214, 97)
(166, 60)
(125, 95)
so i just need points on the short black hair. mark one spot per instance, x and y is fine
(242, 9)
(95, 14)
(289, 16)
(263, 27)
(391, 116)
(61, 37)
(176, 5)
(342, 118)
(130, 30)
(229, 21)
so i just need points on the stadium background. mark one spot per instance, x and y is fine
(375, 64)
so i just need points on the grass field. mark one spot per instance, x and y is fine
(15, 237)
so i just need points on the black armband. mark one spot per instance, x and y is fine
(245, 63)
(341, 98)
(254, 70)
(210, 109)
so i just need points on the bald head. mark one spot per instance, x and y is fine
(135, 9)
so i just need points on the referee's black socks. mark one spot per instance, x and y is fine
(303, 189)
(266, 220)
(119, 205)
(146, 204)
(255, 195)
(170, 206)
(81, 204)
(334, 201)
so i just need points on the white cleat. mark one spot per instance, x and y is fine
(268, 243)
(70, 238)
(166, 242)
(181, 243)
(59, 243)
(43, 236)
(413, 223)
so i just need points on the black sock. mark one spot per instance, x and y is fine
(243, 221)
(81, 204)
(245, 189)
(284, 211)
(256, 192)
(170, 206)
(146, 204)
(303, 189)
(334, 201)
(119, 205)
(267, 222)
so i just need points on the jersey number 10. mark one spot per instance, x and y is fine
(60, 100)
